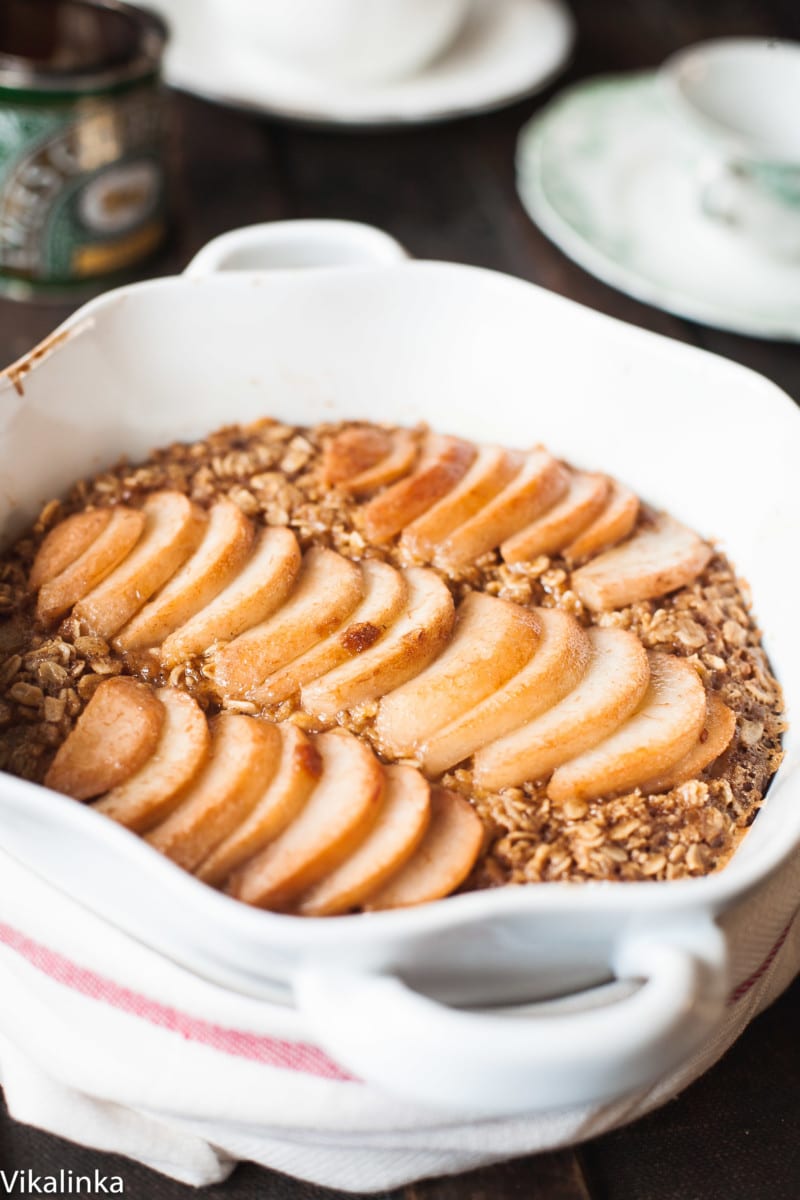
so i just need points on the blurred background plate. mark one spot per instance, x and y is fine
(611, 173)
(507, 50)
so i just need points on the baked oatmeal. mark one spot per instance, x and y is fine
(366, 493)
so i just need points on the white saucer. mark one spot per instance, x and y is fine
(610, 171)
(507, 50)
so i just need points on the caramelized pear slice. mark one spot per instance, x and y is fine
(538, 485)
(490, 472)
(261, 587)
(615, 682)
(173, 529)
(352, 452)
(114, 736)
(397, 463)
(491, 641)
(444, 461)
(553, 670)
(562, 523)
(336, 818)
(651, 742)
(656, 560)
(65, 542)
(149, 795)
(243, 758)
(218, 559)
(328, 589)
(110, 547)
(443, 860)
(416, 637)
(400, 826)
(298, 772)
(385, 593)
(611, 525)
(715, 737)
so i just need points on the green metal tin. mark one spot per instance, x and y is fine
(83, 193)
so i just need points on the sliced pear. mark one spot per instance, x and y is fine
(556, 528)
(614, 684)
(65, 542)
(491, 641)
(657, 736)
(416, 637)
(442, 862)
(242, 760)
(385, 594)
(298, 773)
(444, 461)
(611, 525)
(114, 736)
(218, 559)
(260, 588)
(338, 815)
(173, 529)
(398, 830)
(715, 737)
(328, 588)
(656, 560)
(553, 670)
(538, 485)
(109, 548)
(149, 795)
(397, 463)
(354, 451)
(490, 472)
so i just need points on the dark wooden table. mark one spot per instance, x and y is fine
(448, 192)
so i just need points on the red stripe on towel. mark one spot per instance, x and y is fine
(271, 1051)
(746, 984)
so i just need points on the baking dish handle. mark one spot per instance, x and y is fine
(385, 1033)
(282, 245)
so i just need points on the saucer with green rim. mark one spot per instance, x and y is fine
(612, 173)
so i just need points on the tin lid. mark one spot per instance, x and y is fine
(77, 45)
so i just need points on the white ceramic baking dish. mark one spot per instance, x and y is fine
(490, 357)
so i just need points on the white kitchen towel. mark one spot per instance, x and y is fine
(110, 1045)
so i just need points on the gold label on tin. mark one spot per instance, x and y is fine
(82, 187)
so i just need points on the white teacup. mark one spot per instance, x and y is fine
(744, 93)
(356, 41)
